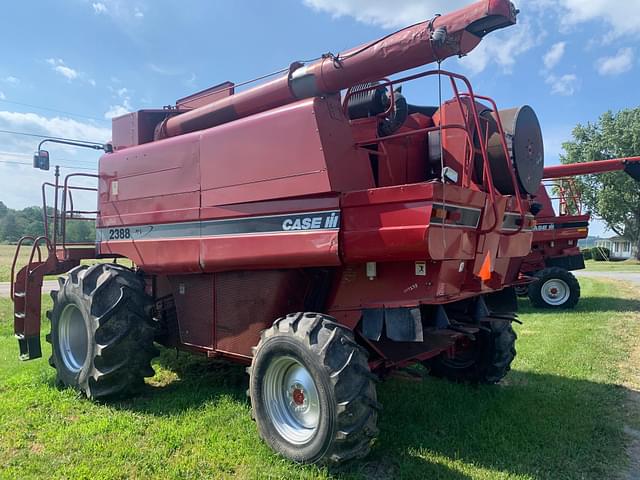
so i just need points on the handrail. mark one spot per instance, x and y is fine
(567, 191)
(36, 246)
(67, 190)
(507, 157)
(466, 174)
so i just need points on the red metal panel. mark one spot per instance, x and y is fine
(208, 95)
(393, 223)
(272, 207)
(247, 302)
(158, 256)
(268, 156)
(136, 128)
(194, 300)
(277, 250)
(154, 183)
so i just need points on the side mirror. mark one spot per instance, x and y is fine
(41, 160)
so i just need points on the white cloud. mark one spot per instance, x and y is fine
(621, 16)
(99, 7)
(554, 55)
(123, 95)
(501, 49)
(20, 184)
(398, 14)
(55, 126)
(2, 96)
(116, 111)
(163, 70)
(565, 85)
(59, 66)
(11, 79)
(617, 64)
(121, 11)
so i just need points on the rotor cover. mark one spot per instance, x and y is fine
(524, 145)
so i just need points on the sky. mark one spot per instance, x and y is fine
(69, 66)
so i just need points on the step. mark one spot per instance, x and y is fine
(19, 315)
(19, 294)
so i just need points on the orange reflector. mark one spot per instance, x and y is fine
(439, 213)
(485, 270)
(582, 230)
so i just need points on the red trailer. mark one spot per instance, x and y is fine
(321, 239)
(555, 252)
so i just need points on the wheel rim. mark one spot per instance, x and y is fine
(555, 291)
(291, 400)
(72, 338)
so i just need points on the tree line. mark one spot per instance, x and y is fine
(14, 224)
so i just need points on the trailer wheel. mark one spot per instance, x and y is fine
(485, 360)
(101, 331)
(312, 394)
(555, 288)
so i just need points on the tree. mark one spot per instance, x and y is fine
(614, 197)
(9, 229)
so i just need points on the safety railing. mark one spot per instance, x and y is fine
(565, 192)
(64, 209)
(35, 247)
(466, 127)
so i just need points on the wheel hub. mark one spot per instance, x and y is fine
(291, 400)
(297, 395)
(555, 291)
(73, 338)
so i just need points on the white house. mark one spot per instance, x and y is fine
(620, 247)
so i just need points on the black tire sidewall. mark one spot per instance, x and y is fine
(535, 289)
(69, 378)
(286, 345)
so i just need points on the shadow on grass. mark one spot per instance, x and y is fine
(587, 304)
(540, 426)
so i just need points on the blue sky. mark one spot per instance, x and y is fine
(76, 63)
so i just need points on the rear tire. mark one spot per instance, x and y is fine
(101, 331)
(487, 360)
(312, 394)
(555, 288)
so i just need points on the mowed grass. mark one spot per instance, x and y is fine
(6, 257)
(560, 414)
(630, 266)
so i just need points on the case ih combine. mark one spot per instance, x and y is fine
(555, 253)
(322, 239)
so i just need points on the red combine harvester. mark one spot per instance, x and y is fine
(554, 252)
(318, 228)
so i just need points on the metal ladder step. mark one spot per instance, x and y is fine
(19, 294)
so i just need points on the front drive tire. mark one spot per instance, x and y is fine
(487, 360)
(312, 393)
(101, 331)
(555, 288)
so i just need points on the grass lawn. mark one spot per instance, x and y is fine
(631, 266)
(6, 257)
(560, 414)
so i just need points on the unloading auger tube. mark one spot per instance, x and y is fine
(457, 33)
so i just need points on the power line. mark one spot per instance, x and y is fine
(53, 110)
(28, 134)
(26, 155)
(70, 167)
